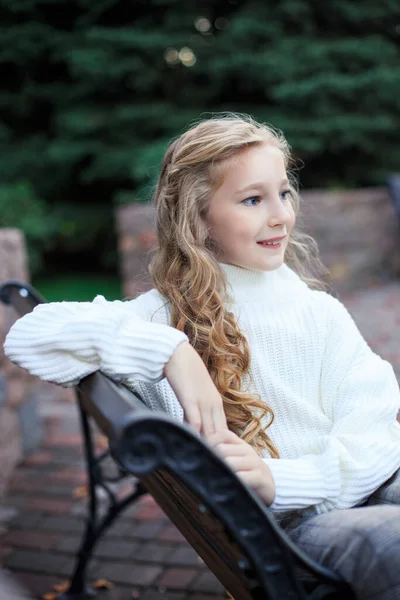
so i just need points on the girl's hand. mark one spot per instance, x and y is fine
(247, 464)
(195, 390)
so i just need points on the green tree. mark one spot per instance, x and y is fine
(94, 90)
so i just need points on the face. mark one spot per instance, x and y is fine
(252, 205)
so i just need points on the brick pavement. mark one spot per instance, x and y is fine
(142, 554)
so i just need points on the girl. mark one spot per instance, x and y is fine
(235, 337)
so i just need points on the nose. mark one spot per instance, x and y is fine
(278, 214)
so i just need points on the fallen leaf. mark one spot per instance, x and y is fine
(101, 442)
(102, 584)
(58, 587)
(62, 587)
(80, 492)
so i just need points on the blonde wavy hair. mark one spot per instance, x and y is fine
(186, 272)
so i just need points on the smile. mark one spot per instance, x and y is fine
(273, 244)
(270, 245)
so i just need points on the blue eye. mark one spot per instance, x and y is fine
(257, 198)
(285, 195)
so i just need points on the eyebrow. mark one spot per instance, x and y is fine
(260, 184)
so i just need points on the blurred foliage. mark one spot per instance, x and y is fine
(94, 90)
(21, 208)
(72, 287)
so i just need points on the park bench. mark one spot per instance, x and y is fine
(223, 519)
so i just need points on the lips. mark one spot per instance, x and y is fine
(276, 239)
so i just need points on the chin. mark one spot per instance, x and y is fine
(271, 264)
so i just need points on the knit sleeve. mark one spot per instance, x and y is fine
(360, 395)
(62, 342)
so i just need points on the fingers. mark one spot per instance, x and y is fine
(238, 454)
(205, 419)
(193, 417)
(245, 462)
(201, 419)
(233, 450)
(223, 436)
(244, 465)
(207, 423)
(249, 477)
(213, 421)
(219, 418)
(247, 467)
(240, 463)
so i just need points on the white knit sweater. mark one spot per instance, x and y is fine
(335, 401)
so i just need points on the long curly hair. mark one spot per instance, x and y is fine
(186, 272)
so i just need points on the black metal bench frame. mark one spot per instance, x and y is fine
(224, 521)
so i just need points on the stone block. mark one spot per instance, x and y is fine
(207, 582)
(8, 425)
(16, 393)
(11, 370)
(30, 424)
(3, 389)
(357, 233)
(134, 219)
(40, 562)
(14, 260)
(177, 578)
(137, 241)
(10, 455)
(15, 383)
(127, 573)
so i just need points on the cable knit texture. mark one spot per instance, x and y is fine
(335, 401)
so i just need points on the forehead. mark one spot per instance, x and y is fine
(261, 163)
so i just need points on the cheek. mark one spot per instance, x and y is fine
(237, 230)
(226, 228)
(292, 217)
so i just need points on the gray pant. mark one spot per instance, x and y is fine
(361, 544)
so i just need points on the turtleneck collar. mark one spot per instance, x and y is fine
(247, 285)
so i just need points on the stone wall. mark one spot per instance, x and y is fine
(136, 239)
(357, 233)
(20, 424)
